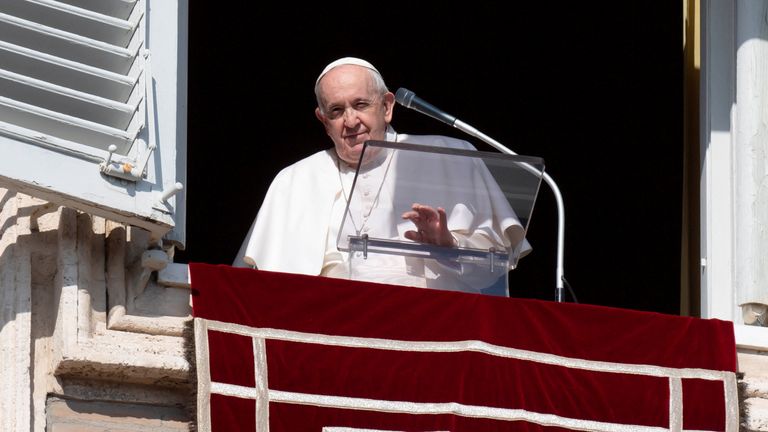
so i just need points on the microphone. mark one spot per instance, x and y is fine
(409, 99)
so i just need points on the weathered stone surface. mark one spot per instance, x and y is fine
(754, 366)
(756, 414)
(95, 416)
(61, 273)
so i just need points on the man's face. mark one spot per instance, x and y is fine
(352, 111)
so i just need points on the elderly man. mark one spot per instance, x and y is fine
(297, 227)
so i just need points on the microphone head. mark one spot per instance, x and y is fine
(404, 97)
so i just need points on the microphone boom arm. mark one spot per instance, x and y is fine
(409, 99)
(464, 127)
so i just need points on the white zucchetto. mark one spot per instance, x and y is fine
(346, 61)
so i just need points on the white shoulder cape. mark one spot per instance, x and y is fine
(289, 232)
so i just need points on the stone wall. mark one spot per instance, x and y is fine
(754, 390)
(88, 339)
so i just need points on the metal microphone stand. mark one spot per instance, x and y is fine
(560, 277)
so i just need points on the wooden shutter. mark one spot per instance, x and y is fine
(93, 107)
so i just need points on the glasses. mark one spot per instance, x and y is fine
(360, 106)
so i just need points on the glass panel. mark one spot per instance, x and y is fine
(488, 200)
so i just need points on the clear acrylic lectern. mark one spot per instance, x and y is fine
(488, 199)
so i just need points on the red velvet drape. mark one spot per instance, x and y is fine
(545, 366)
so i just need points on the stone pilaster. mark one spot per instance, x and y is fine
(87, 335)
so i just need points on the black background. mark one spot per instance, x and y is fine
(593, 89)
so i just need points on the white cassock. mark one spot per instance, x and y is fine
(297, 227)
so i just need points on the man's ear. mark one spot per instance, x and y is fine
(323, 119)
(389, 103)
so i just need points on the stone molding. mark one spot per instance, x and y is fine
(83, 318)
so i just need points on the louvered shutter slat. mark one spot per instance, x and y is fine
(66, 73)
(74, 80)
(114, 8)
(72, 19)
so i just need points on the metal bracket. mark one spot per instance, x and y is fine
(162, 202)
(133, 170)
(492, 258)
(126, 169)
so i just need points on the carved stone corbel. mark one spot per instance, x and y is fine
(137, 302)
